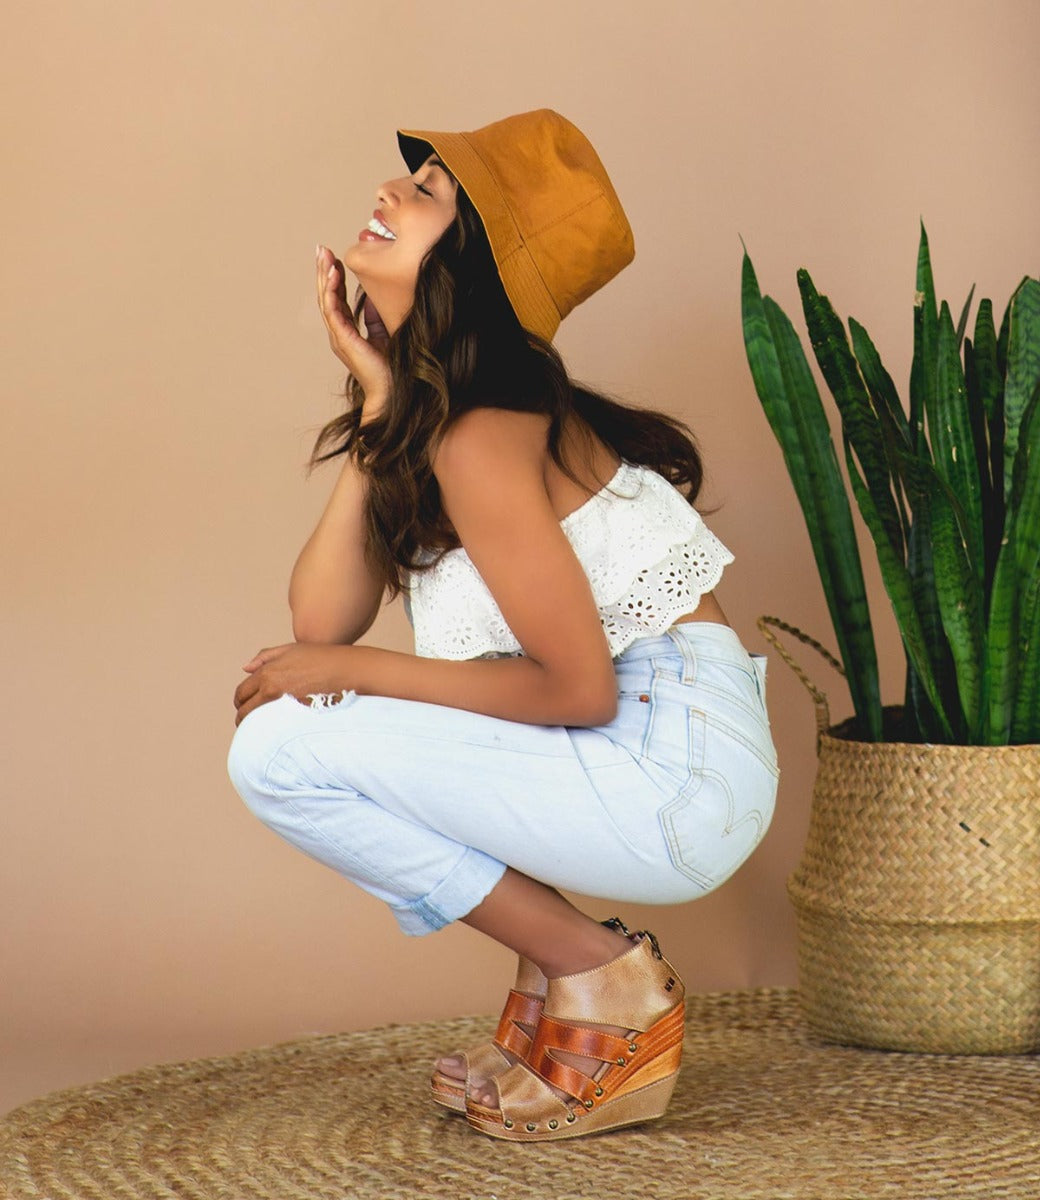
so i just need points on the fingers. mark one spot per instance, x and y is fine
(247, 707)
(363, 355)
(323, 261)
(332, 283)
(265, 655)
(254, 690)
(377, 332)
(245, 691)
(332, 300)
(251, 693)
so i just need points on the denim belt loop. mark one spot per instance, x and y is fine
(689, 656)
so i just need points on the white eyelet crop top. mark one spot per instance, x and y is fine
(647, 552)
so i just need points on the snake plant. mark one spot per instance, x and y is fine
(950, 493)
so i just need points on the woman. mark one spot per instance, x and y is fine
(579, 713)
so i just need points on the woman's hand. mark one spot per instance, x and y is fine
(364, 357)
(300, 669)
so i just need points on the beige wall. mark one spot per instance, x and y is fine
(167, 171)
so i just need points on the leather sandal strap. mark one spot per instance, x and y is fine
(567, 1078)
(592, 1043)
(576, 1039)
(519, 1007)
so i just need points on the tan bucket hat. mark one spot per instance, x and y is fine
(555, 224)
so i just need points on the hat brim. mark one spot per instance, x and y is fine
(524, 285)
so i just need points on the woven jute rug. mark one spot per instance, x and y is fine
(762, 1110)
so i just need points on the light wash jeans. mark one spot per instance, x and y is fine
(424, 805)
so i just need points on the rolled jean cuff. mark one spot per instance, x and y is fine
(458, 893)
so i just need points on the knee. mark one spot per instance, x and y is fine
(252, 751)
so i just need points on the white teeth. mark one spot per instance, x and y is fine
(377, 226)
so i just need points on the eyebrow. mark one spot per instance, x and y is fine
(434, 161)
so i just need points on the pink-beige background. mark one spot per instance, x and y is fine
(167, 170)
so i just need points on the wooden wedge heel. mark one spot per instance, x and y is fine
(639, 992)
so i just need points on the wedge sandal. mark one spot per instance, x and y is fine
(523, 1007)
(640, 992)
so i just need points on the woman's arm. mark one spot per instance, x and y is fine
(517, 689)
(490, 468)
(333, 593)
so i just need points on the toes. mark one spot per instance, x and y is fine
(452, 1065)
(484, 1094)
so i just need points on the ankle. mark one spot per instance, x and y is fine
(596, 948)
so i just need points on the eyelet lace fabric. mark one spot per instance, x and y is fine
(648, 555)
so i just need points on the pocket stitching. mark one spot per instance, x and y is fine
(739, 736)
(685, 796)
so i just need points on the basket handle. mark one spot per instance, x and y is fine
(823, 716)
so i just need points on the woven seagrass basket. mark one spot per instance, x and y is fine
(918, 892)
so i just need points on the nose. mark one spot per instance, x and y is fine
(389, 192)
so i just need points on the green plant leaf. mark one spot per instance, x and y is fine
(953, 445)
(963, 322)
(1002, 648)
(929, 720)
(985, 347)
(922, 371)
(899, 587)
(791, 401)
(879, 382)
(1020, 541)
(980, 442)
(931, 724)
(960, 605)
(988, 369)
(859, 422)
(1025, 721)
(1012, 620)
(891, 419)
(1023, 366)
(946, 569)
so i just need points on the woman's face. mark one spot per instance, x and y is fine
(416, 209)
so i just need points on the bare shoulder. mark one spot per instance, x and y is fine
(491, 460)
(483, 433)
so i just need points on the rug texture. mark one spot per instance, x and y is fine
(763, 1111)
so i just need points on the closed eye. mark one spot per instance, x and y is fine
(425, 191)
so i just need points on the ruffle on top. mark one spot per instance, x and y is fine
(647, 553)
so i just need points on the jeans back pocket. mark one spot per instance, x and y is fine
(721, 814)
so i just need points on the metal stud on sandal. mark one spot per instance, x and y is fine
(639, 992)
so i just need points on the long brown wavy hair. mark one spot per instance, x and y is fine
(462, 346)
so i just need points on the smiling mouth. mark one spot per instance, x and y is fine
(377, 227)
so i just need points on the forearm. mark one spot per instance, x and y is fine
(333, 592)
(517, 689)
